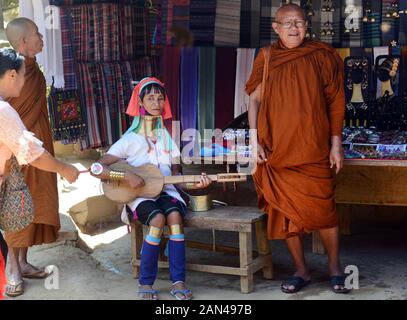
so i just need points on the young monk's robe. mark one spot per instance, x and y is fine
(32, 108)
(303, 106)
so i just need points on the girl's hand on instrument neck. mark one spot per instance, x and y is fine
(204, 182)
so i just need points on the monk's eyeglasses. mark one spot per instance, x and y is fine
(288, 24)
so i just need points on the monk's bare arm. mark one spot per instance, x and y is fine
(254, 104)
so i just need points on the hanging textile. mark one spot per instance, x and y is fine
(403, 23)
(244, 65)
(67, 116)
(112, 77)
(390, 24)
(88, 100)
(250, 24)
(79, 2)
(67, 50)
(313, 14)
(206, 89)
(169, 20)
(336, 22)
(372, 27)
(227, 23)
(225, 86)
(189, 87)
(171, 77)
(50, 58)
(180, 23)
(202, 25)
(403, 71)
(80, 32)
(265, 23)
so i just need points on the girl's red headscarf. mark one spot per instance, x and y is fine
(134, 105)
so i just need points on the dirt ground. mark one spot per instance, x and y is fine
(99, 266)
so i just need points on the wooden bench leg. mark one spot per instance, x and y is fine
(263, 246)
(345, 211)
(317, 245)
(136, 243)
(246, 258)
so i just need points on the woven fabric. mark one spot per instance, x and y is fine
(189, 87)
(227, 23)
(67, 50)
(66, 116)
(225, 86)
(390, 25)
(206, 89)
(202, 21)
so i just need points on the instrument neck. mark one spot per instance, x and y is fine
(187, 179)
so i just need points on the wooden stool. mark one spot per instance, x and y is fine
(238, 219)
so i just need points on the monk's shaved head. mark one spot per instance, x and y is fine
(17, 29)
(284, 9)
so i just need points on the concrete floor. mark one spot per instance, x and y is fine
(98, 267)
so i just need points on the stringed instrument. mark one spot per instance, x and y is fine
(121, 192)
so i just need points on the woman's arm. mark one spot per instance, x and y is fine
(47, 162)
(132, 179)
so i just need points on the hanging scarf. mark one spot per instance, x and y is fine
(147, 125)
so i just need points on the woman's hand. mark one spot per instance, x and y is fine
(204, 181)
(69, 172)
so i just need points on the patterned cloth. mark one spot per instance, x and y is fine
(206, 89)
(265, 23)
(403, 24)
(67, 50)
(189, 87)
(372, 30)
(250, 24)
(227, 23)
(66, 116)
(225, 86)
(390, 26)
(181, 16)
(202, 21)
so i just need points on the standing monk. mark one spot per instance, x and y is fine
(299, 115)
(23, 35)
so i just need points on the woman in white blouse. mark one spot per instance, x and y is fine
(16, 140)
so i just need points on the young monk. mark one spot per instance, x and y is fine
(148, 142)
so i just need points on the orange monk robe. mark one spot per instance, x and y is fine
(32, 108)
(303, 107)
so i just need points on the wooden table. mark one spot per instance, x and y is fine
(367, 182)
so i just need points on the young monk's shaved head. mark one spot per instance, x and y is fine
(284, 9)
(17, 29)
